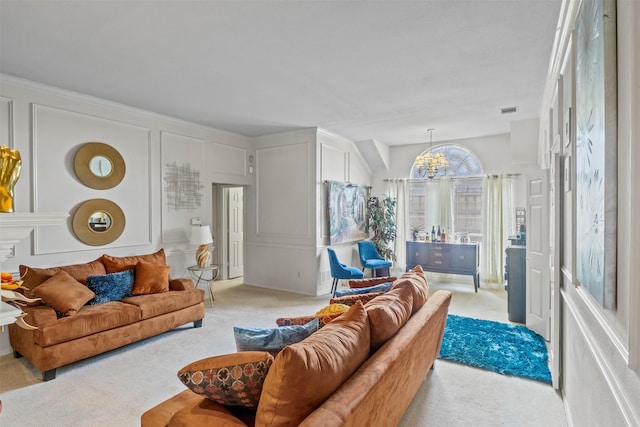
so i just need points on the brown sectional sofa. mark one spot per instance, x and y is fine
(377, 391)
(94, 329)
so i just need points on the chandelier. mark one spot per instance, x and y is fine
(428, 164)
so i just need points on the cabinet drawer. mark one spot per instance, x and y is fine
(437, 259)
(463, 261)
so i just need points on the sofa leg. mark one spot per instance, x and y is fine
(49, 375)
(197, 323)
(433, 365)
(16, 354)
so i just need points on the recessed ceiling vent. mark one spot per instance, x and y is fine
(509, 110)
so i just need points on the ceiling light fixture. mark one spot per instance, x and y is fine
(429, 164)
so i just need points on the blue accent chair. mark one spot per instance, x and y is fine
(370, 258)
(341, 271)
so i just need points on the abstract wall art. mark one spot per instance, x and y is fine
(596, 150)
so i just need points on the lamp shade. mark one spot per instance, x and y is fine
(201, 235)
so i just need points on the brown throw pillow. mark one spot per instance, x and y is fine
(150, 279)
(304, 374)
(231, 379)
(64, 293)
(352, 299)
(416, 280)
(323, 319)
(115, 264)
(388, 313)
(33, 276)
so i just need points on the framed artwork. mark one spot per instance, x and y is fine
(347, 212)
(596, 149)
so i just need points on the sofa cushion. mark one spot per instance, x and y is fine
(114, 264)
(333, 309)
(415, 280)
(152, 305)
(110, 287)
(303, 375)
(150, 278)
(88, 321)
(370, 281)
(33, 276)
(323, 319)
(387, 313)
(63, 293)
(272, 339)
(352, 299)
(382, 287)
(201, 413)
(231, 379)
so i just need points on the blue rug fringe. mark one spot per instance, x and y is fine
(499, 347)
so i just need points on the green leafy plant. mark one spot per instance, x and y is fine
(382, 225)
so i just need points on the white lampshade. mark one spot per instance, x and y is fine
(201, 235)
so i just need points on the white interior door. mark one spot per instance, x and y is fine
(538, 289)
(555, 231)
(235, 215)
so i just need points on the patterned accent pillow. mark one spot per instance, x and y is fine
(64, 293)
(110, 287)
(272, 339)
(333, 309)
(352, 299)
(231, 379)
(370, 281)
(382, 287)
(323, 319)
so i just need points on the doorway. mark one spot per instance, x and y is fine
(228, 217)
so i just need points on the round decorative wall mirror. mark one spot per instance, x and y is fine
(99, 165)
(98, 222)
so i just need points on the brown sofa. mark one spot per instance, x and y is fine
(376, 392)
(87, 330)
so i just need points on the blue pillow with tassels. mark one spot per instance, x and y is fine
(382, 287)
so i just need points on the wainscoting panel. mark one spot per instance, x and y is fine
(57, 136)
(285, 191)
(6, 121)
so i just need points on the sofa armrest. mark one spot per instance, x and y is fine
(39, 315)
(181, 284)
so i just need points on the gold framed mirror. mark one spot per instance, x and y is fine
(98, 222)
(99, 165)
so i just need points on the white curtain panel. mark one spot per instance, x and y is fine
(494, 242)
(397, 189)
(445, 204)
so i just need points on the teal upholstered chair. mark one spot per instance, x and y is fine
(370, 258)
(341, 271)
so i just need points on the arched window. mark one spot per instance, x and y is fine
(455, 205)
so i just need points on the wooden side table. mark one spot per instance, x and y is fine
(199, 275)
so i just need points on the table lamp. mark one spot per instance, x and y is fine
(202, 236)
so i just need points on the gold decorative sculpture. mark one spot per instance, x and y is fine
(10, 165)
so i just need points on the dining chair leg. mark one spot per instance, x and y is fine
(334, 286)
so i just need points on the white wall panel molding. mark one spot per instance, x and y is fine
(6, 122)
(333, 161)
(57, 135)
(227, 159)
(285, 191)
(594, 336)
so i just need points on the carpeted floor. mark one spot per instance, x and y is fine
(115, 388)
(500, 347)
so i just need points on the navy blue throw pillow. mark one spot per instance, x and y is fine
(111, 287)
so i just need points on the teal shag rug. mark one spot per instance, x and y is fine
(499, 347)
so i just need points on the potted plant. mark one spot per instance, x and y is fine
(382, 225)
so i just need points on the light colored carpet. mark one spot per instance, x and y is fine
(115, 388)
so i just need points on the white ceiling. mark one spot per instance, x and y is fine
(381, 70)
